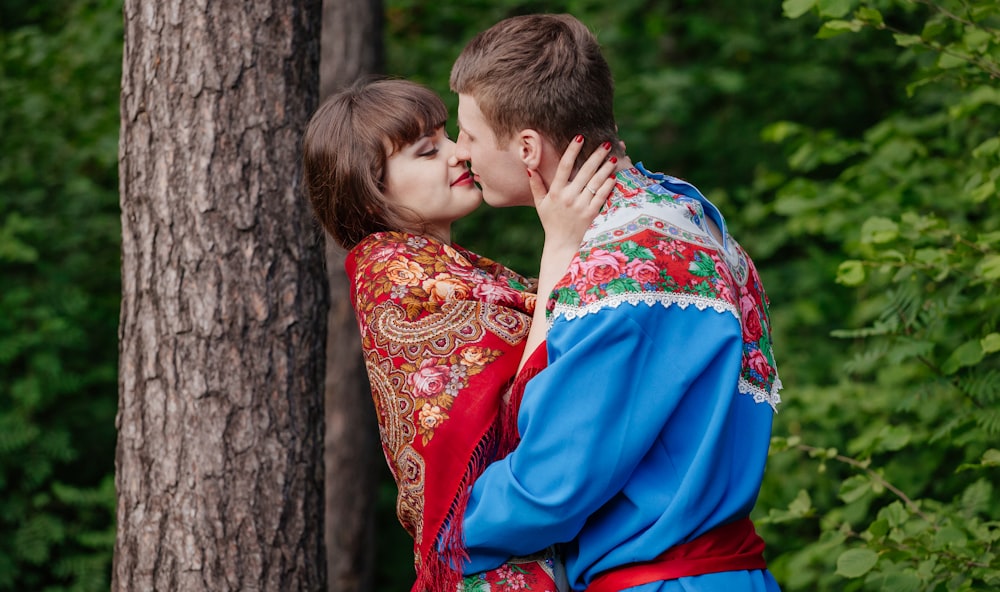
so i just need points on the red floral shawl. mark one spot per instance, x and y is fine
(442, 331)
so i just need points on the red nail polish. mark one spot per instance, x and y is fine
(614, 159)
(606, 145)
(578, 138)
(529, 172)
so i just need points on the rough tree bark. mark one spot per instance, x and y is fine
(352, 47)
(219, 460)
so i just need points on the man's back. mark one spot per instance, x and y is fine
(648, 429)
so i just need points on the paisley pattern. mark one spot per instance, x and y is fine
(442, 330)
(651, 245)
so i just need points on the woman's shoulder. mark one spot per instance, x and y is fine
(370, 256)
(382, 246)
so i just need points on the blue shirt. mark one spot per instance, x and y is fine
(642, 433)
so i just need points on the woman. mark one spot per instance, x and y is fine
(443, 330)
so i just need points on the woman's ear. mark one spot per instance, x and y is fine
(530, 148)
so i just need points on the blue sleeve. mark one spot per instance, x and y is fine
(615, 378)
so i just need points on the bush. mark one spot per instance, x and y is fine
(888, 472)
(59, 252)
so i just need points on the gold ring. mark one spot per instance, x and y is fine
(592, 192)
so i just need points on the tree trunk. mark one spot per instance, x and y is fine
(219, 461)
(351, 48)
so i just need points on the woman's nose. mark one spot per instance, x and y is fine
(453, 159)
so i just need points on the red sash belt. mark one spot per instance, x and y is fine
(730, 547)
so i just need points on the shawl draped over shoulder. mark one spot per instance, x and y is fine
(442, 331)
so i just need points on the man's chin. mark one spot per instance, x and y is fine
(495, 200)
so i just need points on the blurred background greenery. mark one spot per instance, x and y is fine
(853, 145)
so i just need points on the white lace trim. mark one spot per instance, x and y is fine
(772, 398)
(667, 299)
(760, 395)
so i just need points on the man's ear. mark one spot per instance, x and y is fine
(530, 148)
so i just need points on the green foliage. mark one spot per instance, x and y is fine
(910, 209)
(695, 84)
(852, 144)
(60, 67)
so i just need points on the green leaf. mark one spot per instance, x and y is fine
(513, 283)
(855, 563)
(568, 296)
(834, 8)
(991, 458)
(949, 535)
(895, 438)
(878, 230)
(801, 505)
(977, 40)
(870, 15)
(989, 267)
(851, 273)
(633, 250)
(854, 488)
(977, 497)
(838, 27)
(988, 238)
(907, 40)
(895, 514)
(902, 581)
(988, 148)
(878, 529)
(931, 256)
(990, 343)
(983, 192)
(780, 131)
(702, 266)
(950, 59)
(934, 28)
(793, 9)
(622, 286)
(973, 100)
(969, 353)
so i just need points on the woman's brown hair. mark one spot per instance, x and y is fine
(346, 146)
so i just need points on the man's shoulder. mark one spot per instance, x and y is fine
(644, 264)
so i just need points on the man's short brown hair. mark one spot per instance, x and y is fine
(543, 72)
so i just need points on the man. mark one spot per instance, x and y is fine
(644, 440)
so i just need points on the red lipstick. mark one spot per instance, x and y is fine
(465, 177)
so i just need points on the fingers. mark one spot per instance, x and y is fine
(593, 164)
(589, 185)
(600, 184)
(567, 162)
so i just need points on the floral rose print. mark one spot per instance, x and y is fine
(643, 271)
(431, 416)
(429, 380)
(404, 273)
(752, 329)
(475, 356)
(602, 266)
(445, 286)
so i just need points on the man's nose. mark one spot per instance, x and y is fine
(462, 147)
